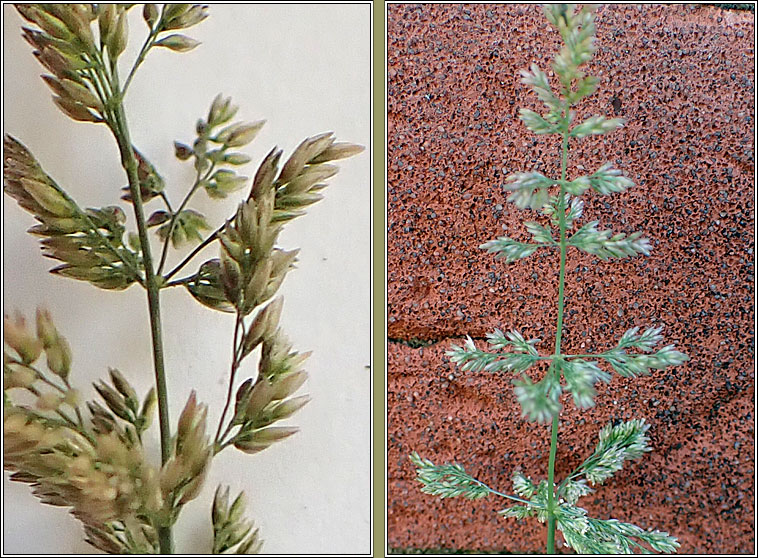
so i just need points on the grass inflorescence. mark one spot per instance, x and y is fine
(558, 202)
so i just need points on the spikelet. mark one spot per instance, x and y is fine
(230, 528)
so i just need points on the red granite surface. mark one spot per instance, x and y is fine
(683, 77)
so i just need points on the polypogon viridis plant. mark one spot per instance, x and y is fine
(90, 457)
(560, 201)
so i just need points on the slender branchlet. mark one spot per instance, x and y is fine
(559, 201)
(88, 456)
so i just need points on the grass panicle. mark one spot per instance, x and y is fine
(560, 202)
(88, 456)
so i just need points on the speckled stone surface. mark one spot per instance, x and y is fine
(683, 78)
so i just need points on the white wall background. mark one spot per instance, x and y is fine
(306, 69)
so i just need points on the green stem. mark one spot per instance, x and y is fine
(220, 441)
(78, 413)
(597, 355)
(219, 447)
(180, 282)
(236, 350)
(565, 356)
(559, 332)
(175, 215)
(148, 44)
(550, 487)
(152, 285)
(164, 197)
(510, 497)
(194, 253)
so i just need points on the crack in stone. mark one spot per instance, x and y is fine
(419, 343)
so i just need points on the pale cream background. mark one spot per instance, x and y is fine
(306, 69)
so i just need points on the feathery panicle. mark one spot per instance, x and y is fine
(514, 339)
(182, 476)
(607, 180)
(508, 249)
(629, 365)
(610, 536)
(540, 400)
(529, 189)
(581, 376)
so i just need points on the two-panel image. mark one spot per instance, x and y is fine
(370, 279)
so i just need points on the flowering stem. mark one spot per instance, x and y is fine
(152, 285)
(559, 331)
(597, 355)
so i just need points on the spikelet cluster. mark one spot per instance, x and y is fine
(182, 476)
(97, 468)
(232, 533)
(89, 243)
